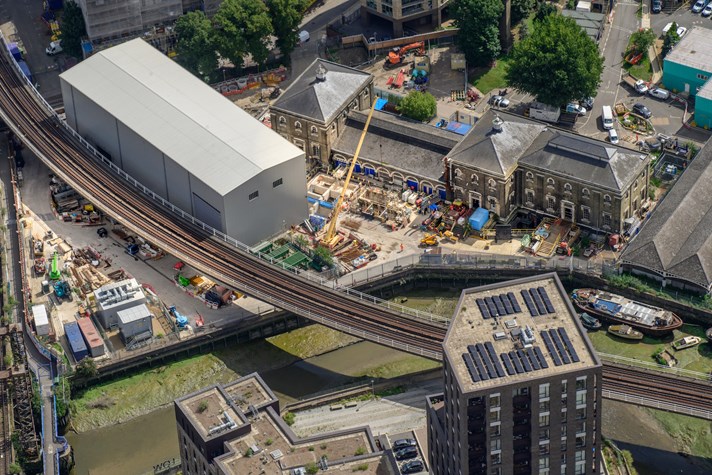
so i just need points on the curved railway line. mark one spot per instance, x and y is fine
(72, 161)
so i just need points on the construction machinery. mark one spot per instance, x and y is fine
(54, 273)
(331, 238)
(429, 240)
(62, 290)
(396, 55)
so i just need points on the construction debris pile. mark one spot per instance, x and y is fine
(136, 245)
(70, 206)
(213, 295)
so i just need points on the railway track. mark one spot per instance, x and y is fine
(71, 160)
(40, 131)
(5, 436)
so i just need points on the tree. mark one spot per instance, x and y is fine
(418, 105)
(86, 368)
(196, 44)
(243, 27)
(286, 16)
(643, 39)
(478, 21)
(671, 39)
(521, 9)
(323, 256)
(73, 29)
(557, 63)
(544, 10)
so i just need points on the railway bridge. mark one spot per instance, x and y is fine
(139, 209)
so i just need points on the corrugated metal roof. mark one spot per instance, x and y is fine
(74, 337)
(216, 141)
(39, 312)
(133, 314)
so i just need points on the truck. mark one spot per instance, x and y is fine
(544, 112)
(55, 47)
(638, 85)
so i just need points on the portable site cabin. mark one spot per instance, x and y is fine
(91, 337)
(76, 341)
(39, 312)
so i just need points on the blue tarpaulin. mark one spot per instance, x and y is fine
(479, 218)
(326, 204)
(458, 127)
(14, 51)
(25, 69)
(380, 103)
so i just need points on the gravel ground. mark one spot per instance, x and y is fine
(388, 415)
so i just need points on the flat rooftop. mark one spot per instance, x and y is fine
(495, 340)
(248, 392)
(693, 49)
(279, 454)
(211, 413)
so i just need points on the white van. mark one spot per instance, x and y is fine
(303, 36)
(55, 47)
(607, 117)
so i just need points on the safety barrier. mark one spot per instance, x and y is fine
(655, 404)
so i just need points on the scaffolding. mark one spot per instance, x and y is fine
(386, 206)
(109, 19)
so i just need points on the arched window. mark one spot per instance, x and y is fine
(567, 187)
(585, 193)
(492, 183)
(530, 176)
(313, 130)
(282, 121)
(607, 199)
(458, 173)
(474, 178)
(298, 126)
(550, 182)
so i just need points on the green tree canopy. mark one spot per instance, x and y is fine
(243, 27)
(557, 63)
(671, 39)
(286, 16)
(73, 29)
(418, 105)
(196, 44)
(478, 21)
(521, 9)
(544, 10)
(643, 39)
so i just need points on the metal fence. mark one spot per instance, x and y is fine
(476, 260)
(654, 403)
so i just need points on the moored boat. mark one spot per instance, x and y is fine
(615, 309)
(625, 331)
(686, 342)
(592, 323)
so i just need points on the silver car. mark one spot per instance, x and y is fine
(659, 93)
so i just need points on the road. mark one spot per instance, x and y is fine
(37, 362)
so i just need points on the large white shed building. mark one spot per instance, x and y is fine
(186, 142)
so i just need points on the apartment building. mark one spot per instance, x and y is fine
(522, 385)
(405, 13)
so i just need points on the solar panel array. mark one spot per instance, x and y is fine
(482, 362)
(559, 346)
(498, 305)
(524, 361)
(537, 301)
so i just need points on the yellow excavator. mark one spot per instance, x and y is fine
(331, 238)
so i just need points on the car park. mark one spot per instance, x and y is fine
(403, 443)
(613, 136)
(642, 111)
(698, 6)
(414, 466)
(707, 11)
(659, 93)
(406, 453)
(656, 6)
(499, 101)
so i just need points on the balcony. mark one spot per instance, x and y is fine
(412, 9)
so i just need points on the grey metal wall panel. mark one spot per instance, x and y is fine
(275, 209)
(178, 181)
(205, 212)
(71, 116)
(96, 125)
(142, 161)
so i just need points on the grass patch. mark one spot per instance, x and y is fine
(643, 70)
(487, 79)
(697, 358)
(693, 436)
(311, 341)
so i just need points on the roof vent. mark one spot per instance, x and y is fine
(497, 124)
(321, 73)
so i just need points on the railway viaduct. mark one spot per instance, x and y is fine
(341, 308)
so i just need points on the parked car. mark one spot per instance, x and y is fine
(707, 11)
(641, 110)
(587, 102)
(656, 6)
(499, 101)
(574, 108)
(698, 6)
(613, 136)
(681, 30)
(403, 443)
(406, 453)
(659, 93)
(414, 466)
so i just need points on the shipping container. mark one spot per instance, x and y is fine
(91, 337)
(76, 341)
(39, 312)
